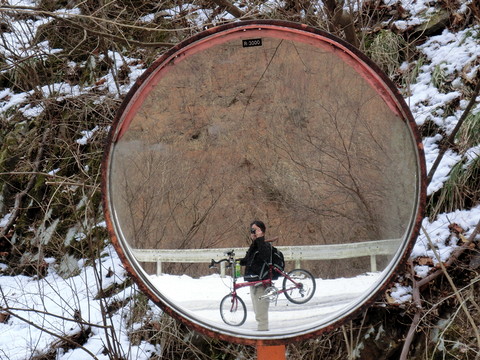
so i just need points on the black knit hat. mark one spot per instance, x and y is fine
(260, 224)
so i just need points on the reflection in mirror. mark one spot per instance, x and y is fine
(287, 132)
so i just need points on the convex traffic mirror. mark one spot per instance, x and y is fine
(273, 121)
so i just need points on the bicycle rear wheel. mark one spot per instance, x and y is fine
(300, 288)
(233, 310)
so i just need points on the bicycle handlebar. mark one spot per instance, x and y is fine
(229, 260)
(213, 262)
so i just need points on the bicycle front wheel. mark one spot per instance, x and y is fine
(299, 286)
(233, 310)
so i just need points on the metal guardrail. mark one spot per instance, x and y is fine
(290, 253)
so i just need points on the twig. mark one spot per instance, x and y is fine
(348, 343)
(64, 180)
(416, 318)
(65, 183)
(230, 8)
(11, 309)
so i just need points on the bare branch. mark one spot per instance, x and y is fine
(230, 8)
(416, 318)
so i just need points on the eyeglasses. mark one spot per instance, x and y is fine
(253, 231)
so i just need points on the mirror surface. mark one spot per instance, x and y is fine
(290, 131)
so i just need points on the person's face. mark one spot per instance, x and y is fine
(255, 232)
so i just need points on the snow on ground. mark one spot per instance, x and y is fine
(52, 302)
(201, 297)
(447, 55)
(438, 234)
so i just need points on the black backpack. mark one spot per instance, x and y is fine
(277, 261)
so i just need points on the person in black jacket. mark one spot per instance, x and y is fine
(256, 268)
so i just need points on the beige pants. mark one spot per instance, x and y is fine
(260, 307)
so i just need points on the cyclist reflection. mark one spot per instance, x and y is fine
(256, 268)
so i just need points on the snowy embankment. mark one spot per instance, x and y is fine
(52, 309)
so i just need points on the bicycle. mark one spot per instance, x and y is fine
(298, 286)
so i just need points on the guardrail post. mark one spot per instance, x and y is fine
(373, 263)
(222, 269)
(159, 268)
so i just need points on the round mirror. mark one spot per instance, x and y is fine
(272, 121)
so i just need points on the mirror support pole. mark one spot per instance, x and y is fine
(271, 352)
